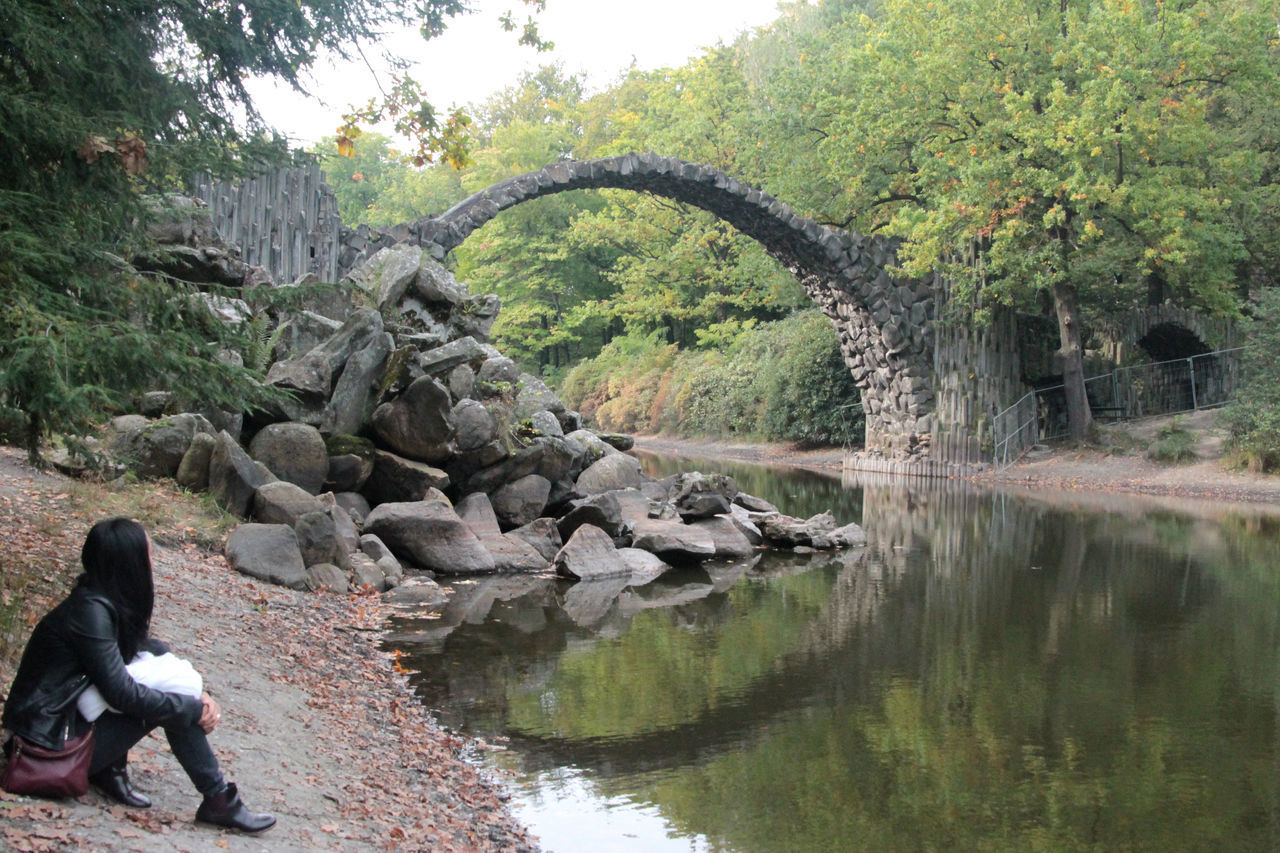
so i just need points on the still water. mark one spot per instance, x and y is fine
(989, 673)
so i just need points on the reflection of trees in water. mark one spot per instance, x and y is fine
(989, 671)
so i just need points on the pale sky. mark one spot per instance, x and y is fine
(475, 58)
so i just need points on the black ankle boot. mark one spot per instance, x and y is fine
(113, 781)
(225, 809)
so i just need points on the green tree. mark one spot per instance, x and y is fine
(1079, 152)
(547, 291)
(100, 103)
(1254, 417)
(360, 179)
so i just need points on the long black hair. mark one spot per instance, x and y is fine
(117, 563)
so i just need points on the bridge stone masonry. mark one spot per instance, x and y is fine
(923, 404)
(929, 385)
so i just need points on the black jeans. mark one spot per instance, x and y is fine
(114, 734)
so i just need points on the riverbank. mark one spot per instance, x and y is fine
(1116, 462)
(320, 726)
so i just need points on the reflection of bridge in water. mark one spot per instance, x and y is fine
(945, 566)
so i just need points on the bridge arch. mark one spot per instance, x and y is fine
(885, 323)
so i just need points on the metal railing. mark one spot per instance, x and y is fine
(849, 418)
(1158, 388)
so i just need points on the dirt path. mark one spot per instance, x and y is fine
(319, 725)
(1119, 464)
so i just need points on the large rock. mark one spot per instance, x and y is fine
(308, 376)
(546, 423)
(590, 555)
(350, 462)
(435, 284)
(343, 524)
(602, 511)
(593, 448)
(355, 505)
(752, 503)
(303, 332)
(615, 471)
(633, 506)
(789, 532)
(645, 566)
(326, 577)
(387, 274)
(294, 453)
(193, 470)
(398, 480)
(319, 542)
(561, 458)
(462, 383)
(535, 396)
(742, 519)
(510, 553)
(730, 542)
(283, 503)
(366, 574)
(697, 495)
(443, 359)
(522, 463)
(155, 449)
(496, 375)
(431, 535)
(542, 534)
(474, 425)
(673, 541)
(849, 536)
(349, 404)
(234, 477)
(377, 550)
(363, 328)
(419, 423)
(268, 552)
(475, 315)
(520, 502)
(618, 441)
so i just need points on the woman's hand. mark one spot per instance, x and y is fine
(211, 715)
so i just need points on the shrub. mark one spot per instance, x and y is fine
(784, 380)
(1173, 445)
(1253, 419)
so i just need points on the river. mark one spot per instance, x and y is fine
(991, 672)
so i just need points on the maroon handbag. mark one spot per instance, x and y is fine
(42, 772)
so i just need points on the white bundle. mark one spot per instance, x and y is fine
(167, 673)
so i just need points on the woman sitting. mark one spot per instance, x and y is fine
(87, 640)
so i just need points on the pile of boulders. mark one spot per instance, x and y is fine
(408, 447)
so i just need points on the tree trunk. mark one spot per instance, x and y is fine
(1071, 354)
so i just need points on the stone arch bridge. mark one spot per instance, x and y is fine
(930, 387)
(925, 407)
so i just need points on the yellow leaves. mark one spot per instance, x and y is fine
(131, 150)
(1096, 151)
(1091, 230)
(346, 146)
(92, 148)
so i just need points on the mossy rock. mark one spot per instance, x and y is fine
(395, 377)
(352, 445)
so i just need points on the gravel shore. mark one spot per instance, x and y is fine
(319, 725)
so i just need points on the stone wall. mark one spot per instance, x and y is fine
(285, 221)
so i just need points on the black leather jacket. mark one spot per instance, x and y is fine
(73, 646)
